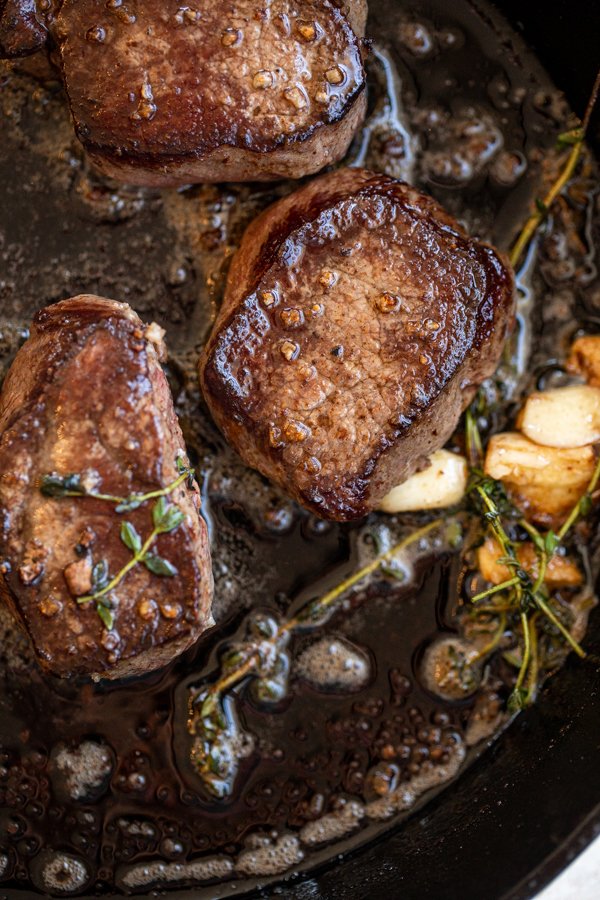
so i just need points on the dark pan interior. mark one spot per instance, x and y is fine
(528, 805)
(526, 808)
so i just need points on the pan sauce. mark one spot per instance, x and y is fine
(96, 788)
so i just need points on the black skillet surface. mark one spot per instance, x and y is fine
(525, 809)
(518, 814)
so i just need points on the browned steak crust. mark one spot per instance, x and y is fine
(22, 28)
(86, 394)
(163, 93)
(358, 320)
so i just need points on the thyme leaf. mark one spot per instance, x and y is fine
(106, 616)
(159, 566)
(571, 137)
(100, 575)
(551, 542)
(393, 571)
(53, 485)
(517, 700)
(166, 516)
(130, 537)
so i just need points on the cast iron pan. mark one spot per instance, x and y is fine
(528, 806)
(531, 802)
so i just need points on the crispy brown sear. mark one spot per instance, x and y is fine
(86, 395)
(357, 322)
(23, 28)
(163, 93)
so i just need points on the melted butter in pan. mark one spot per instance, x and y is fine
(96, 787)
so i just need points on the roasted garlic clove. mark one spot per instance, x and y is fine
(543, 482)
(584, 359)
(442, 483)
(561, 570)
(562, 417)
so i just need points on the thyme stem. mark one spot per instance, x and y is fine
(524, 592)
(136, 499)
(493, 643)
(523, 588)
(536, 218)
(497, 527)
(327, 600)
(532, 678)
(526, 653)
(530, 529)
(504, 540)
(331, 596)
(579, 507)
(165, 518)
(473, 441)
(162, 492)
(135, 559)
(558, 624)
(542, 568)
(496, 588)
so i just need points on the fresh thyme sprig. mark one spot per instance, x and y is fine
(72, 485)
(314, 611)
(263, 656)
(573, 139)
(166, 517)
(524, 594)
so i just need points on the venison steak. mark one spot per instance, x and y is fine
(86, 397)
(23, 28)
(357, 323)
(223, 90)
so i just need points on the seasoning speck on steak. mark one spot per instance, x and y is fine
(166, 94)
(357, 323)
(86, 397)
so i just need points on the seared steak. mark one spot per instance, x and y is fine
(163, 93)
(86, 409)
(22, 28)
(357, 322)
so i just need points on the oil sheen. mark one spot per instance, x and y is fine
(97, 791)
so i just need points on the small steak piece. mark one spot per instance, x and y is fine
(357, 322)
(86, 396)
(163, 93)
(22, 28)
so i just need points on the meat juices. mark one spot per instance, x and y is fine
(357, 323)
(165, 94)
(86, 395)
